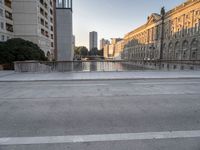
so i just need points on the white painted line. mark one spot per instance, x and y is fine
(72, 85)
(166, 83)
(81, 85)
(99, 138)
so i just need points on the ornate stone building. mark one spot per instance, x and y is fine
(172, 35)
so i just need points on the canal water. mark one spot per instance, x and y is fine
(105, 66)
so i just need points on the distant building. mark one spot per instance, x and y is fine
(106, 51)
(65, 50)
(103, 42)
(114, 50)
(93, 40)
(31, 20)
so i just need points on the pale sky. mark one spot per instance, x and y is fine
(113, 18)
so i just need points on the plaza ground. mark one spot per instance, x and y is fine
(59, 114)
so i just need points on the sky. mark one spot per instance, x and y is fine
(113, 18)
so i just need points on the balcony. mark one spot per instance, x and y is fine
(8, 3)
(9, 27)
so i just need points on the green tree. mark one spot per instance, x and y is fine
(76, 51)
(82, 50)
(94, 52)
(100, 52)
(20, 50)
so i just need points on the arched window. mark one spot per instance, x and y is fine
(194, 50)
(49, 55)
(165, 52)
(170, 52)
(177, 49)
(185, 48)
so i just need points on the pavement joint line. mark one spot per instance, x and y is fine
(97, 79)
(99, 138)
(13, 99)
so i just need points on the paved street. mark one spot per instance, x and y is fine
(150, 114)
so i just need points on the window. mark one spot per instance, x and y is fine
(9, 27)
(2, 38)
(42, 21)
(8, 15)
(41, 11)
(8, 3)
(2, 25)
(42, 31)
(1, 12)
(51, 3)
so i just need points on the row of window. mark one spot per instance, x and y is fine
(43, 2)
(45, 33)
(4, 38)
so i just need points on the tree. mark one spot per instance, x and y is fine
(93, 52)
(20, 50)
(82, 50)
(100, 52)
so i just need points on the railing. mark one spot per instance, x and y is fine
(101, 66)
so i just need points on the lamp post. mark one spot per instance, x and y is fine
(162, 32)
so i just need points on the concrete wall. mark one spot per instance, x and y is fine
(100, 66)
(64, 34)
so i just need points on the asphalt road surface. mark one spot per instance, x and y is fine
(100, 115)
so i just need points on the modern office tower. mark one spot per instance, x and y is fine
(103, 42)
(93, 40)
(65, 50)
(6, 20)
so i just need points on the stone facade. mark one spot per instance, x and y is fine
(172, 35)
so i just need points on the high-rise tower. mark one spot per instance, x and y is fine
(93, 40)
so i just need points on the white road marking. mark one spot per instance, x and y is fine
(166, 83)
(99, 138)
(80, 85)
(71, 85)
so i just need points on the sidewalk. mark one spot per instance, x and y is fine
(69, 76)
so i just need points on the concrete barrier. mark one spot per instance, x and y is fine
(100, 66)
